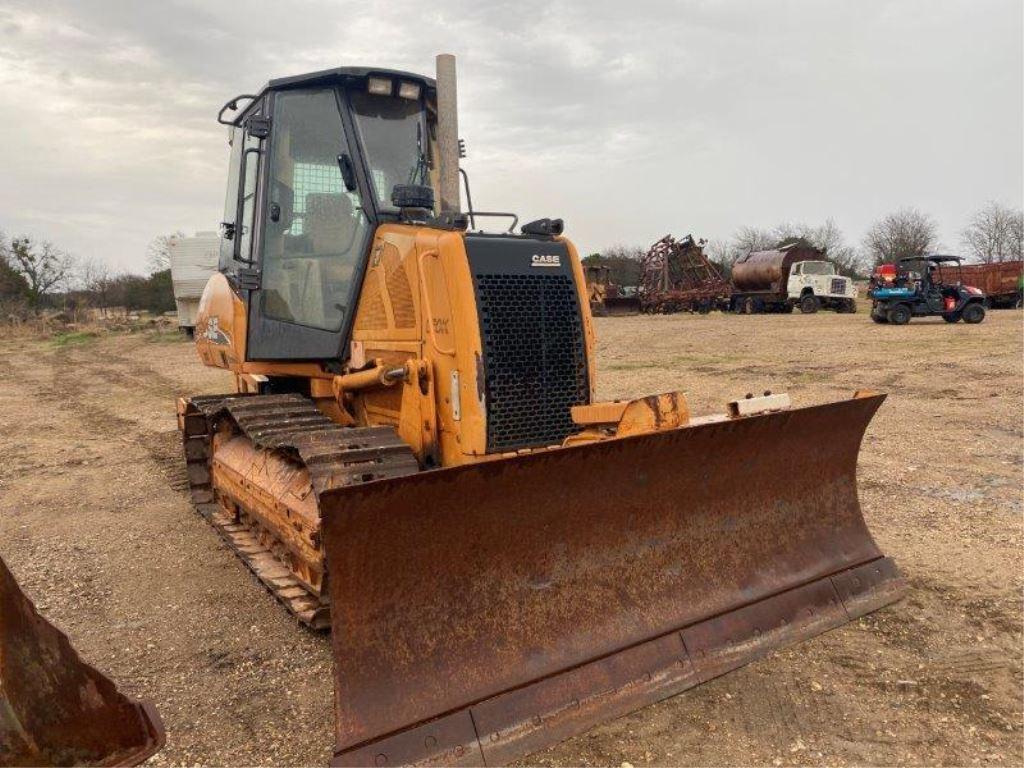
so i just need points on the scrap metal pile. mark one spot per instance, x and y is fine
(676, 276)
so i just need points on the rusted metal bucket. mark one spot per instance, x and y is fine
(484, 612)
(54, 708)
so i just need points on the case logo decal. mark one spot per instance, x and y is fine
(546, 260)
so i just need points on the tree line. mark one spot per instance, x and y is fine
(36, 275)
(995, 233)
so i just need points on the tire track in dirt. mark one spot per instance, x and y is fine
(109, 378)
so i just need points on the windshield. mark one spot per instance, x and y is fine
(818, 268)
(393, 134)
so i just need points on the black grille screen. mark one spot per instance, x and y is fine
(534, 357)
(839, 286)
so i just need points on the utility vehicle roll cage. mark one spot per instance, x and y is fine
(936, 259)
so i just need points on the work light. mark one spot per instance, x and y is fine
(409, 90)
(380, 86)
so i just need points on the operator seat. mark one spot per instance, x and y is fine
(332, 229)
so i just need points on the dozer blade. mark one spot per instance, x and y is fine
(483, 612)
(621, 306)
(54, 708)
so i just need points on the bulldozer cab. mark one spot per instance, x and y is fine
(597, 274)
(314, 162)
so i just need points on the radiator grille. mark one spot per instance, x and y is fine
(838, 286)
(534, 358)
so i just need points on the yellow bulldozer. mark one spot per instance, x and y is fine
(414, 454)
(605, 296)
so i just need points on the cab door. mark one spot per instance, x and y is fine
(311, 230)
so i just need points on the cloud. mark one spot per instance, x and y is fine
(629, 120)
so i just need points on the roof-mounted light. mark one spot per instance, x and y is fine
(380, 86)
(409, 90)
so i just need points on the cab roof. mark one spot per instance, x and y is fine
(931, 257)
(339, 75)
(343, 74)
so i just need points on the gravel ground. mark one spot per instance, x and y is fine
(95, 524)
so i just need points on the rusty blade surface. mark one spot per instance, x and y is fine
(54, 708)
(485, 611)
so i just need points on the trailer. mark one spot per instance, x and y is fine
(193, 261)
(795, 274)
(1001, 281)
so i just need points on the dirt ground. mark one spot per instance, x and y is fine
(95, 524)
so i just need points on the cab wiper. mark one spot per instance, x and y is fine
(419, 172)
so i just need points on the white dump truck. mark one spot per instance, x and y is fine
(193, 262)
(793, 275)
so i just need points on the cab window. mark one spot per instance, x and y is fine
(227, 246)
(818, 268)
(316, 229)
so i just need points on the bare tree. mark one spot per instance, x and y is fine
(634, 252)
(827, 237)
(995, 233)
(5, 258)
(1017, 237)
(749, 239)
(98, 279)
(624, 263)
(12, 285)
(904, 234)
(720, 252)
(158, 252)
(44, 267)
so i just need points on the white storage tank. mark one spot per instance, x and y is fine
(193, 261)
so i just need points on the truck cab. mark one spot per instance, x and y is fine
(814, 284)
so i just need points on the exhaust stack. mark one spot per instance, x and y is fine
(448, 133)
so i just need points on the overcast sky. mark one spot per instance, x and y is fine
(628, 119)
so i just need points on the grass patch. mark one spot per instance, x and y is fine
(167, 337)
(675, 363)
(74, 338)
(631, 366)
(703, 360)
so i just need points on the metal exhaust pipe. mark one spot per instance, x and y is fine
(448, 133)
